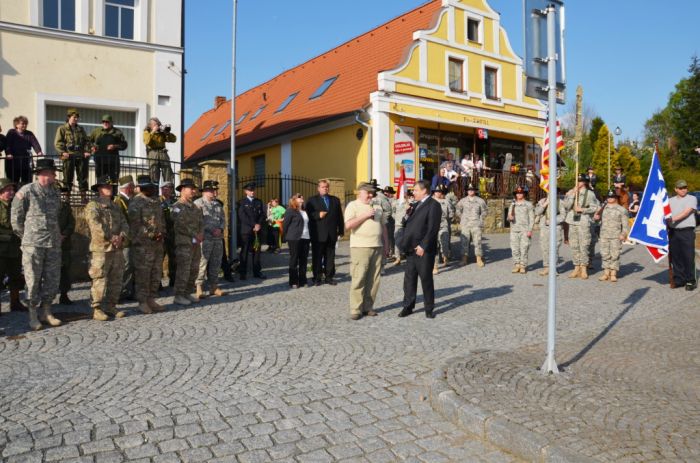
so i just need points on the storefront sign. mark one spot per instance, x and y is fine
(483, 134)
(405, 153)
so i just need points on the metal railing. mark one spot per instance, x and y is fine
(277, 186)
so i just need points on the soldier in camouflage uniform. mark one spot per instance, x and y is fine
(521, 215)
(614, 228)
(108, 233)
(167, 201)
(73, 145)
(380, 200)
(187, 224)
(579, 220)
(389, 193)
(147, 231)
(35, 210)
(445, 221)
(106, 142)
(542, 217)
(472, 211)
(122, 199)
(155, 136)
(213, 245)
(398, 210)
(66, 222)
(10, 252)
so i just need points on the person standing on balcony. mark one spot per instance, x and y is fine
(106, 142)
(126, 192)
(251, 214)
(73, 144)
(213, 246)
(326, 226)
(20, 143)
(155, 136)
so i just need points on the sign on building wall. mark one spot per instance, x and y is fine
(405, 153)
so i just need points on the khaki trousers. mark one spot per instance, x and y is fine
(365, 266)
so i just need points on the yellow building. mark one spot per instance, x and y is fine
(439, 79)
(123, 57)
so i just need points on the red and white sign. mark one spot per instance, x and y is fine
(405, 154)
(483, 134)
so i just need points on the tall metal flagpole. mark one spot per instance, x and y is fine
(233, 240)
(550, 363)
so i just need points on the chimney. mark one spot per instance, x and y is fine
(218, 101)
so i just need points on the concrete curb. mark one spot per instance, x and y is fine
(496, 430)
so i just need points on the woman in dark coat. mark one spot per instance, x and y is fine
(295, 231)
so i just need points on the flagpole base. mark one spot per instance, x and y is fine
(550, 365)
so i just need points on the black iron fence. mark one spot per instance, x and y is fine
(279, 186)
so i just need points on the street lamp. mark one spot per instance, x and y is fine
(618, 132)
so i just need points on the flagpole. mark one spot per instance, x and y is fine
(233, 240)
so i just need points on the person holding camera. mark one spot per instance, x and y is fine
(73, 145)
(155, 136)
(106, 142)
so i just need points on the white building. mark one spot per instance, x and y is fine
(123, 57)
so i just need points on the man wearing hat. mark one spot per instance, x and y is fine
(66, 222)
(684, 208)
(580, 204)
(106, 142)
(619, 179)
(614, 227)
(167, 201)
(448, 212)
(73, 145)
(325, 227)
(213, 245)
(147, 231)
(542, 217)
(251, 215)
(10, 253)
(399, 211)
(108, 233)
(592, 177)
(368, 238)
(122, 199)
(521, 215)
(472, 212)
(155, 136)
(187, 225)
(35, 210)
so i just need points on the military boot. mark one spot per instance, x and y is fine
(397, 261)
(15, 304)
(181, 300)
(215, 291)
(583, 272)
(34, 323)
(613, 276)
(154, 305)
(112, 310)
(200, 293)
(516, 269)
(99, 315)
(191, 298)
(47, 317)
(523, 269)
(480, 261)
(145, 308)
(435, 268)
(544, 271)
(465, 260)
(576, 273)
(605, 276)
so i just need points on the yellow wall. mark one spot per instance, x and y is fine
(246, 166)
(14, 11)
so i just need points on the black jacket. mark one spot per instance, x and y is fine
(250, 213)
(422, 228)
(331, 226)
(293, 225)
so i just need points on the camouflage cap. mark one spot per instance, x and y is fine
(72, 111)
(125, 181)
(107, 118)
(5, 182)
(681, 184)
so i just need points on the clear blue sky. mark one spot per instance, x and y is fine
(627, 54)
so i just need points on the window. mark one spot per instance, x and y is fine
(257, 113)
(259, 169)
(456, 77)
(491, 83)
(204, 137)
(322, 89)
(240, 119)
(91, 118)
(223, 127)
(286, 102)
(473, 30)
(58, 14)
(119, 18)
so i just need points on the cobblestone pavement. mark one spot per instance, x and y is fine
(269, 374)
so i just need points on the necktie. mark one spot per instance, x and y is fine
(325, 201)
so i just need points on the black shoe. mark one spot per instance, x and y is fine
(405, 312)
(318, 283)
(429, 314)
(229, 278)
(331, 282)
(242, 276)
(260, 276)
(64, 299)
(691, 286)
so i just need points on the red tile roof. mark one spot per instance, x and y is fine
(356, 63)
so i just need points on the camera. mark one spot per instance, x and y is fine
(73, 148)
(167, 128)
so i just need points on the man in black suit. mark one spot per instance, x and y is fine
(251, 214)
(325, 227)
(419, 243)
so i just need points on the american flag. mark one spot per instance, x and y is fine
(544, 172)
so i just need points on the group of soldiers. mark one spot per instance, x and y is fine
(35, 229)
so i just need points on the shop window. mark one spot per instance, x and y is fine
(456, 75)
(491, 83)
(286, 102)
(473, 26)
(259, 170)
(322, 89)
(58, 14)
(119, 18)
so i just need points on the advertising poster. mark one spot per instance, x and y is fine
(405, 153)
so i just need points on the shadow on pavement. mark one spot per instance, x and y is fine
(439, 293)
(475, 296)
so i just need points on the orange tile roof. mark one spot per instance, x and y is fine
(356, 63)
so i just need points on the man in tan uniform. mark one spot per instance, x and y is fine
(188, 228)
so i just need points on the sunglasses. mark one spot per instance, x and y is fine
(682, 187)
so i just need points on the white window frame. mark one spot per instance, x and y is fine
(464, 94)
(140, 20)
(480, 19)
(499, 83)
(82, 7)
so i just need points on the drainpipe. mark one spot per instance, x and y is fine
(369, 141)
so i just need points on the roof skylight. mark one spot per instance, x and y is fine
(286, 102)
(322, 89)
